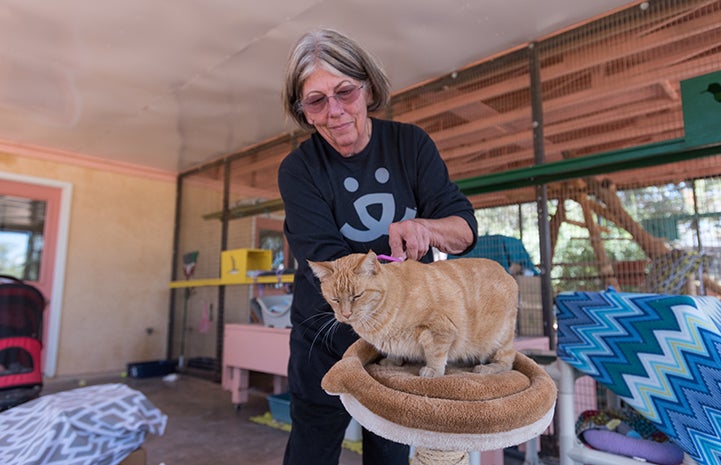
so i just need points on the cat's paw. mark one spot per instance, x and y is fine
(428, 372)
(490, 369)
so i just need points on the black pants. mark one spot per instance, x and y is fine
(317, 435)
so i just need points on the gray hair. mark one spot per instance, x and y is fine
(329, 49)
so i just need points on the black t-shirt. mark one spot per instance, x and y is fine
(335, 206)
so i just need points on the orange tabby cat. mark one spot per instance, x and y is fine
(460, 311)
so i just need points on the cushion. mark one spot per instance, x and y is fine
(625, 432)
(459, 411)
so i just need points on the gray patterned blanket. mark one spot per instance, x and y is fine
(95, 425)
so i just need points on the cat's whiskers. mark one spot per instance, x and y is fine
(321, 331)
(315, 316)
(326, 330)
(308, 325)
(329, 331)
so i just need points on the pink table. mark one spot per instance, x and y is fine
(257, 348)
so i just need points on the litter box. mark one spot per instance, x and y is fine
(280, 411)
(275, 310)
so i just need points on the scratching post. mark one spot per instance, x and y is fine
(440, 457)
(446, 417)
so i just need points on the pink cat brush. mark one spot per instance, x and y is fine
(388, 258)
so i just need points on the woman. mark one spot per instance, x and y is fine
(357, 184)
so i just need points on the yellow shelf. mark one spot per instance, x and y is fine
(234, 270)
(286, 278)
(195, 283)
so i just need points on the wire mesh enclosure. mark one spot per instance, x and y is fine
(587, 148)
(630, 230)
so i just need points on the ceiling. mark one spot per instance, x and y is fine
(168, 85)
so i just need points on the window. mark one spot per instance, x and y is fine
(22, 225)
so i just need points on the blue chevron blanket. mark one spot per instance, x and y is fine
(659, 353)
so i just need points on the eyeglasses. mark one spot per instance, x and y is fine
(317, 102)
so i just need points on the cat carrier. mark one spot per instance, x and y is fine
(21, 326)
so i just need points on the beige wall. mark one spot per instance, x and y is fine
(118, 262)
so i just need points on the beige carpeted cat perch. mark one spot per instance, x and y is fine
(461, 411)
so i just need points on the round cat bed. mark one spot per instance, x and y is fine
(461, 411)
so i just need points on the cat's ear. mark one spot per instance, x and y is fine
(368, 264)
(320, 269)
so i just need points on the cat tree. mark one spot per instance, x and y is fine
(444, 417)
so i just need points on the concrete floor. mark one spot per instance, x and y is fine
(205, 428)
(203, 425)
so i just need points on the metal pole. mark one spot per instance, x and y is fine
(699, 245)
(544, 230)
(220, 322)
(174, 267)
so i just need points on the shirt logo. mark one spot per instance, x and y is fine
(374, 227)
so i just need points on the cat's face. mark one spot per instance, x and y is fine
(349, 285)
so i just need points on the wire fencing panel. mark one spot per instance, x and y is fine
(610, 85)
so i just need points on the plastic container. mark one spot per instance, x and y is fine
(280, 411)
(151, 369)
(280, 407)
